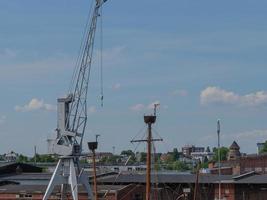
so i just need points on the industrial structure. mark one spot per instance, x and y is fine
(72, 118)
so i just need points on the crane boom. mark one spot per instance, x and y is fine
(77, 118)
(72, 110)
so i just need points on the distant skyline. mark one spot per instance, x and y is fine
(202, 61)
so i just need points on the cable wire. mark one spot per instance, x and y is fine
(101, 59)
(82, 45)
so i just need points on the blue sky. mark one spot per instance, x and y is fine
(202, 60)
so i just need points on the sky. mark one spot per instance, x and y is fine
(201, 60)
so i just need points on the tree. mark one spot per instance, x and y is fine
(177, 165)
(205, 163)
(129, 153)
(264, 149)
(143, 157)
(223, 153)
(43, 158)
(175, 154)
(110, 159)
(22, 159)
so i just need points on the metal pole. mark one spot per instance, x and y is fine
(113, 148)
(196, 184)
(95, 183)
(219, 156)
(148, 170)
(35, 152)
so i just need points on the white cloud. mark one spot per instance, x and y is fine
(251, 134)
(35, 69)
(142, 107)
(8, 53)
(35, 104)
(138, 107)
(111, 56)
(2, 119)
(255, 135)
(181, 93)
(212, 95)
(92, 109)
(151, 105)
(116, 86)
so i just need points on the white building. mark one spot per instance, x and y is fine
(202, 155)
(11, 156)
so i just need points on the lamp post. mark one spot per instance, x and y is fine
(219, 155)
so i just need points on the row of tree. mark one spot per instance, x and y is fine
(37, 158)
(172, 161)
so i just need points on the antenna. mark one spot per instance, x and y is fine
(218, 126)
(155, 108)
(113, 148)
(97, 136)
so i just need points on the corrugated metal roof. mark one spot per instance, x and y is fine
(255, 179)
(127, 178)
(165, 178)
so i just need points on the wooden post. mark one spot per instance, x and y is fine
(93, 146)
(149, 120)
(95, 183)
(148, 163)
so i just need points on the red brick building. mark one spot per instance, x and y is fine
(237, 164)
(36, 192)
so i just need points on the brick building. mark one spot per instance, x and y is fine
(249, 186)
(131, 186)
(36, 192)
(237, 164)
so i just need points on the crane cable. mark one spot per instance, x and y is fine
(156, 182)
(101, 59)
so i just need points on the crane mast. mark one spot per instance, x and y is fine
(72, 119)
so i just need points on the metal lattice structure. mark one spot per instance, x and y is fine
(72, 119)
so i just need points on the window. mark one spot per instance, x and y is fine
(24, 196)
(137, 197)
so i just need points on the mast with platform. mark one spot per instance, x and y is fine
(149, 120)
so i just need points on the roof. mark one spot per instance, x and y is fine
(35, 189)
(163, 178)
(248, 178)
(42, 179)
(8, 168)
(256, 179)
(40, 176)
(234, 145)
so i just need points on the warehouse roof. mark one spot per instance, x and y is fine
(164, 178)
(9, 168)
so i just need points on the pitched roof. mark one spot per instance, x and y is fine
(163, 178)
(234, 146)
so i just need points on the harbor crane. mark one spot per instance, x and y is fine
(72, 119)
